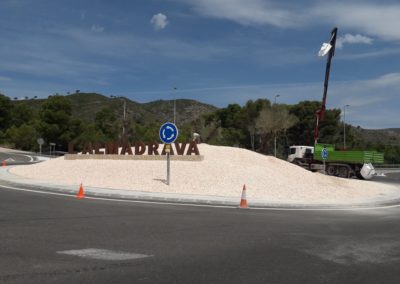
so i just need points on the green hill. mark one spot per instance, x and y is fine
(186, 110)
(390, 136)
(86, 105)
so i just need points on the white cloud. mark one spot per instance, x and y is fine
(378, 20)
(373, 54)
(353, 39)
(387, 80)
(127, 45)
(159, 21)
(373, 102)
(5, 79)
(249, 12)
(97, 29)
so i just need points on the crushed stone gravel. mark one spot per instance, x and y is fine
(223, 172)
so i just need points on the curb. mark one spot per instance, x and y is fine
(181, 199)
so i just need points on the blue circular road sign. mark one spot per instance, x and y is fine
(168, 132)
(324, 154)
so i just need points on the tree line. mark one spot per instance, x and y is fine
(258, 125)
(21, 125)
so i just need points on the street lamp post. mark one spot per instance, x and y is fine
(52, 145)
(276, 96)
(124, 122)
(344, 126)
(124, 116)
(175, 105)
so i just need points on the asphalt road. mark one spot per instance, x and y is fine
(391, 178)
(16, 158)
(191, 244)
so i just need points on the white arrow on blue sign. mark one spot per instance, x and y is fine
(168, 132)
(324, 154)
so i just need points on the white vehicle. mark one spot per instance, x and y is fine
(299, 152)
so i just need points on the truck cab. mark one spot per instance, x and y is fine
(300, 152)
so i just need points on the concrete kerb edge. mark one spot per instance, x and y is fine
(188, 199)
(14, 180)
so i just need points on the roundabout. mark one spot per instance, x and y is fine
(215, 180)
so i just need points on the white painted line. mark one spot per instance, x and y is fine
(116, 199)
(30, 158)
(103, 254)
(162, 203)
(326, 209)
(36, 191)
(204, 205)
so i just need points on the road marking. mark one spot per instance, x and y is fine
(103, 254)
(30, 158)
(116, 199)
(36, 191)
(204, 205)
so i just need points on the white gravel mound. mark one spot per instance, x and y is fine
(223, 172)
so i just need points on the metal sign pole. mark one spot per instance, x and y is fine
(40, 142)
(167, 151)
(168, 134)
(168, 168)
(324, 154)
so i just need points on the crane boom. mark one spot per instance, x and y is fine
(320, 113)
(340, 163)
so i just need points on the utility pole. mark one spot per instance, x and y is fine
(344, 127)
(124, 115)
(276, 96)
(123, 123)
(175, 105)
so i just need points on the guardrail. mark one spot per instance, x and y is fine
(387, 166)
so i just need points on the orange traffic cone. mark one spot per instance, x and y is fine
(243, 200)
(81, 193)
(4, 163)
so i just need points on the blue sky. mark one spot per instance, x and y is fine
(214, 51)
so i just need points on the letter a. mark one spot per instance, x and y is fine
(193, 149)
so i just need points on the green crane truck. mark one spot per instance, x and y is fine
(324, 156)
(341, 163)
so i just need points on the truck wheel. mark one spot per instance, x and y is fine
(331, 170)
(359, 176)
(343, 172)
